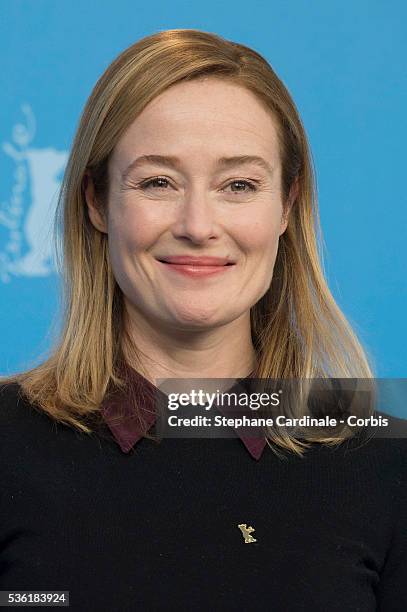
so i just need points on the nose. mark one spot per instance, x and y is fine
(196, 218)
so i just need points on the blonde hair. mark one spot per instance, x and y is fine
(298, 330)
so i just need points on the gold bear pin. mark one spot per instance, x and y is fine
(246, 531)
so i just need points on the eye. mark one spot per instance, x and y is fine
(158, 180)
(162, 182)
(249, 184)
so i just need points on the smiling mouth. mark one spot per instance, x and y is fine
(196, 269)
(195, 264)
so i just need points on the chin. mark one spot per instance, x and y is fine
(199, 319)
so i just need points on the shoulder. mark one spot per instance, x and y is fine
(20, 420)
(392, 592)
(12, 401)
(392, 431)
(14, 425)
(392, 427)
(381, 450)
(377, 451)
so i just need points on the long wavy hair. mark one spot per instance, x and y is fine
(298, 330)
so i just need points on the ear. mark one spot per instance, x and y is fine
(95, 212)
(292, 196)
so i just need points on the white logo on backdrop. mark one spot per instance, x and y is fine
(28, 216)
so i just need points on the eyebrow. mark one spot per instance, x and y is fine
(222, 163)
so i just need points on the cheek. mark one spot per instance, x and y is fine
(129, 236)
(261, 246)
(261, 240)
(257, 228)
(132, 231)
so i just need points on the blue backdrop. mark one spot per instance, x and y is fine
(343, 64)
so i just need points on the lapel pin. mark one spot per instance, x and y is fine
(246, 531)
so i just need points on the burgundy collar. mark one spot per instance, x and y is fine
(128, 431)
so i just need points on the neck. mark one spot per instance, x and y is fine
(162, 352)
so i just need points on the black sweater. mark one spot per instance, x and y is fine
(157, 528)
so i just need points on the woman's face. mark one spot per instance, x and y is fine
(198, 196)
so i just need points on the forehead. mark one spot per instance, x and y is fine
(208, 115)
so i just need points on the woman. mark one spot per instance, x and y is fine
(190, 234)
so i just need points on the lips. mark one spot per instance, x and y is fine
(188, 260)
